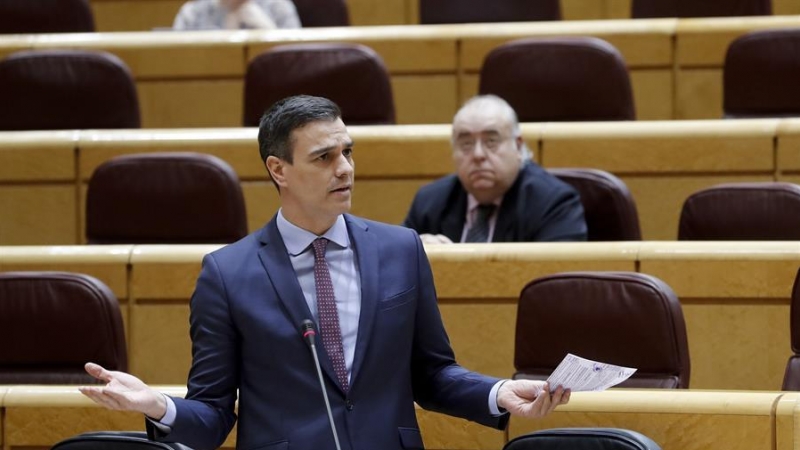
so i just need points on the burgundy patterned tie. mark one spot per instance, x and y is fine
(328, 314)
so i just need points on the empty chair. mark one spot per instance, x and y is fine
(623, 318)
(470, 11)
(66, 89)
(45, 16)
(560, 79)
(608, 206)
(582, 439)
(322, 13)
(52, 323)
(760, 75)
(351, 75)
(791, 378)
(767, 211)
(178, 198)
(641, 9)
(115, 440)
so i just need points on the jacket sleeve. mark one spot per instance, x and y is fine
(439, 383)
(206, 416)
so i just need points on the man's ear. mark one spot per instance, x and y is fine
(275, 167)
(520, 143)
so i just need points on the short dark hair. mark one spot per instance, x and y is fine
(284, 116)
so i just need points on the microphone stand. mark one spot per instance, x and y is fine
(307, 328)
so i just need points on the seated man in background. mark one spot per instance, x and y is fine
(236, 14)
(498, 194)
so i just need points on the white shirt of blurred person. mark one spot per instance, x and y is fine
(236, 15)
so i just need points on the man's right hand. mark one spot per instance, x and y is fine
(124, 392)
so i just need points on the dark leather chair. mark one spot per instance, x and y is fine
(624, 318)
(154, 198)
(791, 378)
(66, 89)
(760, 75)
(582, 439)
(643, 9)
(322, 13)
(351, 75)
(742, 211)
(473, 11)
(115, 440)
(608, 205)
(560, 79)
(52, 323)
(45, 16)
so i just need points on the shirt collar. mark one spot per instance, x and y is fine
(472, 203)
(297, 239)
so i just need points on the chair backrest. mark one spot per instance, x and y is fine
(45, 16)
(474, 11)
(760, 75)
(178, 198)
(742, 211)
(322, 13)
(66, 89)
(115, 440)
(623, 318)
(351, 75)
(52, 323)
(582, 439)
(791, 378)
(643, 9)
(560, 79)
(608, 205)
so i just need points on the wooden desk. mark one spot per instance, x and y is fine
(43, 175)
(35, 417)
(735, 298)
(682, 420)
(195, 79)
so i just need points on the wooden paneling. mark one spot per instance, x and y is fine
(662, 162)
(40, 416)
(192, 79)
(674, 419)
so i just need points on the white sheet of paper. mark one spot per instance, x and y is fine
(581, 374)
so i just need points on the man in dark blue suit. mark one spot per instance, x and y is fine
(369, 287)
(497, 193)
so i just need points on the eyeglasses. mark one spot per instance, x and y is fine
(466, 144)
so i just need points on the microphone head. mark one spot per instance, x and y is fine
(308, 331)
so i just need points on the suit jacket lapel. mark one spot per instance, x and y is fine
(278, 266)
(366, 250)
(453, 220)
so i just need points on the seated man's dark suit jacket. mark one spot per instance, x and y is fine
(246, 313)
(537, 208)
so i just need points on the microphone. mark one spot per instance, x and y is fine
(309, 333)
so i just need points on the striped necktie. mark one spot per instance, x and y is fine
(479, 231)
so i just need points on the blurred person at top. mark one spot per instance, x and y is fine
(236, 15)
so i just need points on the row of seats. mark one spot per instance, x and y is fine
(626, 318)
(47, 16)
(551, 439)
(75, 16)
(550, 79)
(183, 198)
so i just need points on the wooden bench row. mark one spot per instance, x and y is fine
(34, 417)
(735, 298)
(43, 175)
(196, 79)
(124, 15)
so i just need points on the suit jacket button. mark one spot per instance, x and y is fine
(349, 405)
